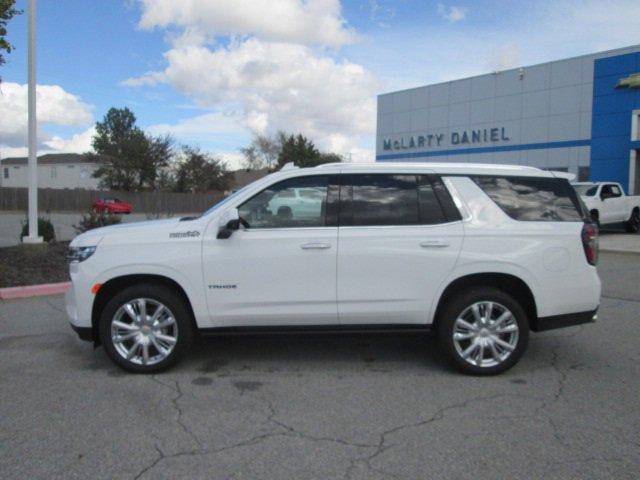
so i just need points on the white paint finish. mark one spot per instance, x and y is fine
(365, 275)
(277, 281)
(522, 246)
(404, 271)
(614, 209)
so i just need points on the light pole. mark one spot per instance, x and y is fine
(33, 132)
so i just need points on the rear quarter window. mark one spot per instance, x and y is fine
(533, 199)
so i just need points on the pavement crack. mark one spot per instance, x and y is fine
(161, 456)
(624, 299)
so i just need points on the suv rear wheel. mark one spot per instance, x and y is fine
(483, 332)
(145, 328)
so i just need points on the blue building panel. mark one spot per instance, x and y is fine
(613, 108)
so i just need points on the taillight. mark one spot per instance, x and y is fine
(590, 242)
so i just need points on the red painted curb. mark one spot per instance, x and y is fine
(34, 290)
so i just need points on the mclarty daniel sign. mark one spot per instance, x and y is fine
(459, 138)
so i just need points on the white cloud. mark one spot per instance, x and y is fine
(452, 14)
(78, 143)
(54, 106)
(297, 21)
(201, 128)
(278, 86)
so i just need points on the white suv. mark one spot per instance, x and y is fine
(481, 253)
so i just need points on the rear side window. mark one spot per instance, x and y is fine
(533, 199)
(383, 199)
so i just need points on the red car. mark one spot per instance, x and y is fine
(111, 205)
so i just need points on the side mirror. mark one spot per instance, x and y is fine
(229, 222)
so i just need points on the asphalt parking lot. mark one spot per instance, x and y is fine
(324, 407)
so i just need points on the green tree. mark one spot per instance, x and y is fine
(7, 12)
(263, 151)
(201, 172)
(302, 152)
(133, 159)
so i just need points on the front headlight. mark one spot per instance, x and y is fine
(80, 254)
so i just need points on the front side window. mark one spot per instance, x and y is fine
(293, 203)
(6, 172)
(533, 199)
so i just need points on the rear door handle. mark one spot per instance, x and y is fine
(434, 244)
(315, 246)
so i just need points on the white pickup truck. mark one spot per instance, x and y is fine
(608, 204)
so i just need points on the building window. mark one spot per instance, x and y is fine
(6, 172)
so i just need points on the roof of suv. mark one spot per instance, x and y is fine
(442, 168)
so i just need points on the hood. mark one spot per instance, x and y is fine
(150, 229)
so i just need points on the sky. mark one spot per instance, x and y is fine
(213, 73)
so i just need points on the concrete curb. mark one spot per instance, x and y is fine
(34, 290)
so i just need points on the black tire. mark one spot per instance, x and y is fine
(457, 305)
(156, 293)
(633, 224)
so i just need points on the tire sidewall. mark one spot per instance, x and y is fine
(457, 305)
(162, 295)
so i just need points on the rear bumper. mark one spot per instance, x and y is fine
(560, 321)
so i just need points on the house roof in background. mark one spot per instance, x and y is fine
(56, 159)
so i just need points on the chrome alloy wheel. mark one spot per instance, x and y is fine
(144, 331)
(485, 334)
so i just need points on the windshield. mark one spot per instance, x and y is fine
(225, 200)
(586, 190)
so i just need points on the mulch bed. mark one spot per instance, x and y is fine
(34, 264)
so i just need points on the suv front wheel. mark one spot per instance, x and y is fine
(483, 332)
(145, 328)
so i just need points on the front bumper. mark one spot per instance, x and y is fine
(84, 333)
(560, 321)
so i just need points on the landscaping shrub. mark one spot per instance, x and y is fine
(45, 229)
(95, 220)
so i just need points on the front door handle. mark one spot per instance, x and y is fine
(315, 246)
(434, 244)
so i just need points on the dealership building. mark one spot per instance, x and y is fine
(578, 115)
